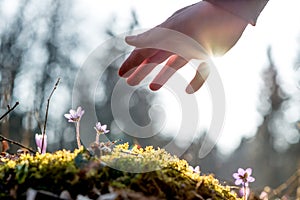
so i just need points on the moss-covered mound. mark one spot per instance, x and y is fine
(124, 173)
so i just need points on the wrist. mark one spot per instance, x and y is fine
(220, 29)
(248, 10)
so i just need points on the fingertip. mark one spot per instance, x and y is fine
(130, 39)
(125, 71)
(155, 86)
(120, 72)
(132, 81)
(189, 89)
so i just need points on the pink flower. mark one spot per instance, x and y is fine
(39, 141)
(74, 116)
(101, 129)
(243, 177)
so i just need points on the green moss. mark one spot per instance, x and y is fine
(152, 172)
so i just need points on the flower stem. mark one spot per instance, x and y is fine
(78, 134)
(100, 148)
(245, 192)
(97, 138)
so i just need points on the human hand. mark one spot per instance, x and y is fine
(213, 28)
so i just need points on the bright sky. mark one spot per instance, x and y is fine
(240, 68)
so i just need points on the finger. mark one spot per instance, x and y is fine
(151, 38)
(162, 37)
(134, 60)
(142, 39)
(147, 66)
(174, 63)
(199, 79)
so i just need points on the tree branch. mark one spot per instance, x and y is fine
(47, 110)
(9, 110)
(16, 143)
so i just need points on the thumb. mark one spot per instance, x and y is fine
(139, 40)
(131, 40)
(145, 39)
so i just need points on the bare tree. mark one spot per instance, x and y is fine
(36, 46)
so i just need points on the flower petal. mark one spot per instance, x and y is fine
(80, 113)
(236, 176)
(72, 112)
(250, 179)
(68, 116)
(38, 140)
(241, 171)
(238, 181)
(249, 171)
(45, 144)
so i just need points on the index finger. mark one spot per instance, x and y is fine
(134, 60)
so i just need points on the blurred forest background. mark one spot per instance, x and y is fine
(41, 41)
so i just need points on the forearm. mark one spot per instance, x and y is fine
(249, 10)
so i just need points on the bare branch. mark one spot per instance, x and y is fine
(47, 110)
(2, 138)
(9, 110)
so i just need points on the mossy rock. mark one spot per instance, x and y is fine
(124, 173)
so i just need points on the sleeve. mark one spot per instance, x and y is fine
(249, 10)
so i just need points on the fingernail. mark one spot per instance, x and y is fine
(129, 38)
(154, 86)
(121, 73)
(189, 90)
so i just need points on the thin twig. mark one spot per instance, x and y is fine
(2, 138)
(284, 186)
(47, 109)
(9, 110)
